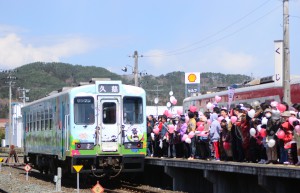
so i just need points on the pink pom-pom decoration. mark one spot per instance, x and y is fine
(280, 134)
(218, 98)
(156, 130)
(171, 128)
(179, 112)
(220, 118)
(281, 107)
(263, 132)
(184, 137)
(233, 119)
(193, 109)
(191, 134)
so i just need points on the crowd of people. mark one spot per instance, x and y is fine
(264, 133)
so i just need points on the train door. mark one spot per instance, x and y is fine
(109, 123)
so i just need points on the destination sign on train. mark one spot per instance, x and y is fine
(81, 100)
(108, 88)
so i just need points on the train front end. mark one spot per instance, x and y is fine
(108, 133)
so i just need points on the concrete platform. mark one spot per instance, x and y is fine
(222, 177)
(275, 170)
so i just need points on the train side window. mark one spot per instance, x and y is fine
(84, 111)
(30, 121)
(34, 120)
(46, 113)
(38, 120)
(27, 121)
(42, 120)
(50, 119)
(109, 113)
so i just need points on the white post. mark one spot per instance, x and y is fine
(78, 182)
(58, 180)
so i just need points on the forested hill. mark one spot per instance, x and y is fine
(42, 78)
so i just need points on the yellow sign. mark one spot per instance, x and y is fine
(77, 167)
(1, 159)
(192, 78)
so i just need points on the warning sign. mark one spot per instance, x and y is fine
(1, 159)
(27, 168)
(77, 167)
(97, 188)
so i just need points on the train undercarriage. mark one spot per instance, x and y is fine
(98, 166)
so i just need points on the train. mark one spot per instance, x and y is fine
(99, 125)
(266, 90)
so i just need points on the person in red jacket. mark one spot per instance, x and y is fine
(285, 143)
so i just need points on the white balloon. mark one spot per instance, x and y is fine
(172, 98)
(271, 143)
(252, 132)
(251, 113)
(209, 105)
(258, 128)
(188, 140)
(264, 121)
(168, 104)
(152, 136)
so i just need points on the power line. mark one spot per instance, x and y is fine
(185, 50)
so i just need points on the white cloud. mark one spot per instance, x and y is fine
(14, 52)
(213, 60)
(156, 58)
(234, 63)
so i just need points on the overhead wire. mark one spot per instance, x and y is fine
(185, 49)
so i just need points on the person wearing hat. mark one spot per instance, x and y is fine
(271, 128)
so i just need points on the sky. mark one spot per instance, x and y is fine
(230, 37)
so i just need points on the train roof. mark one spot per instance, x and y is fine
(295, 80)
(82, 85)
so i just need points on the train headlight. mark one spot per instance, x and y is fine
(133, 145)
(84, 146)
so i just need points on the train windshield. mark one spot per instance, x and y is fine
(84, 113)
(133, 110)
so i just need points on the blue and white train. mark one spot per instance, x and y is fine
(100, 125)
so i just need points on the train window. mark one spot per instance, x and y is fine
(109, 113)
(133, 110)
(30, 122)
(42, 121)
(46, 113)
(34, 120)
(84, 112)
(38, 121)
(50, 119)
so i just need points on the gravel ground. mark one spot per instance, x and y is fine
(13, 180)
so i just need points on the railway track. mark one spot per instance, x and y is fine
(12, 179)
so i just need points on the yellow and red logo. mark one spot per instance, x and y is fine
(192, 78)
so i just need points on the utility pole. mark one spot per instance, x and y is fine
(10, 80)
(136, 68)
(286, 54)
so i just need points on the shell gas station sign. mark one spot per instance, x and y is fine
(192, 83)
(192, 78)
